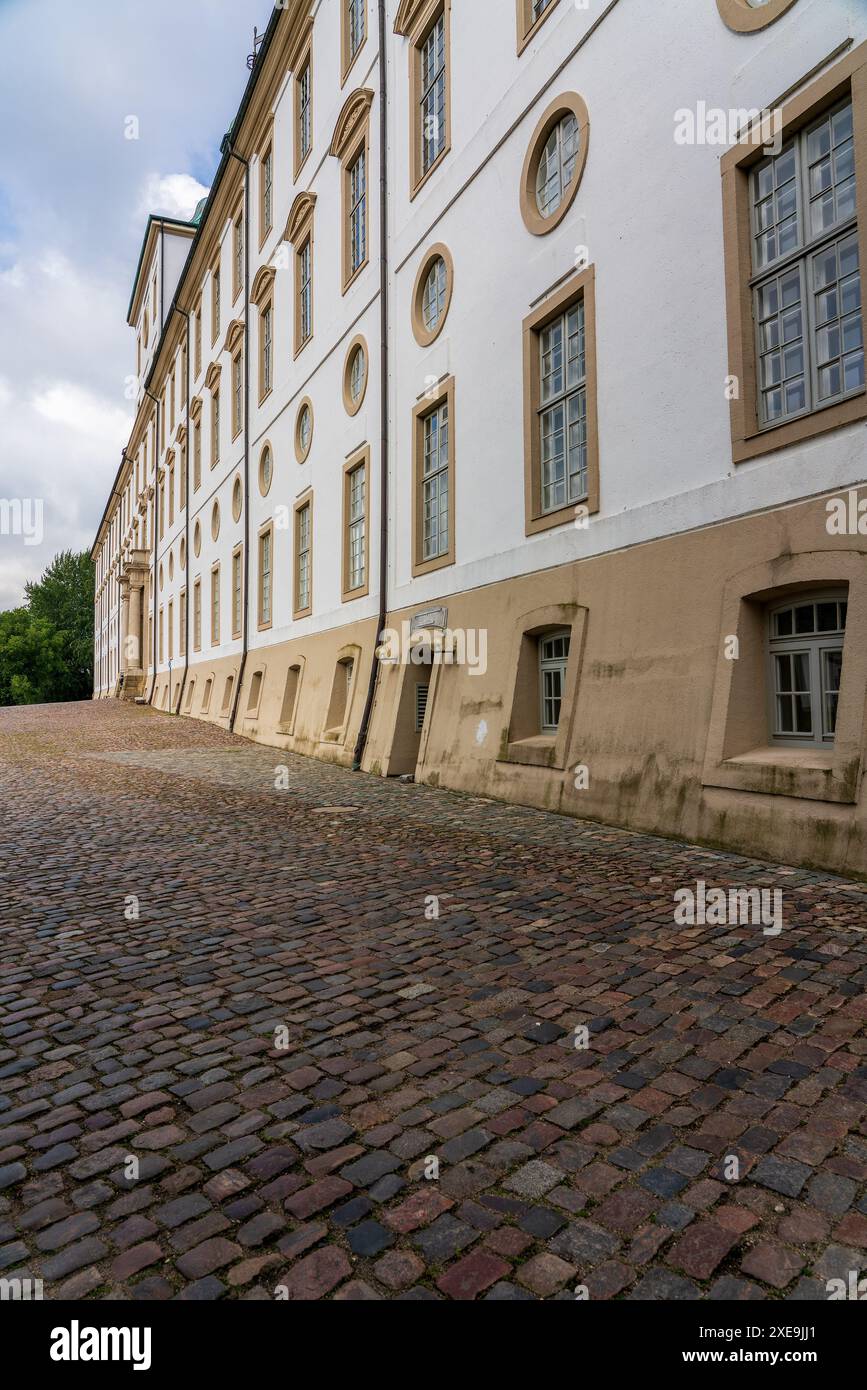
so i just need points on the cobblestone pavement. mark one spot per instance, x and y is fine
(287, 1035)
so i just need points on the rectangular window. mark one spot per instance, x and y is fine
(160, 638)
(182, 622)
(357, 177)
(553, 661)
(266, 192)
(215, 300)
(215, 427)
(171, 494)
(163, 507)
(431, 84)
(184, 384)
(215, 606)
(421, 694)
(530, 16)
(357, 16)
(560, 435)
(237, 605)
(183, 477)
(303, 558)
(793, 272)
(305, 292)
(563, 410)
(806, 650)
(197, 455)
(172, 401)
(197, 616)
(238, 259)
(237, 394)
(304, 113)
(266, 350)
(806, 276)
(435, 483)
(355, 526)
(434, 454)
(171, 626)
(265, 547)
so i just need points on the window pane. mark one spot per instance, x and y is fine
(832, 666)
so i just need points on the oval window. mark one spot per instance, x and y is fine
(554, 163)
(303, 431)
(432, 295)
(266, 470)
(215, 521)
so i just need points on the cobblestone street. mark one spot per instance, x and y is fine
(287, 1034)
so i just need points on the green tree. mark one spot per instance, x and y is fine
(32, 659)
(63, 598)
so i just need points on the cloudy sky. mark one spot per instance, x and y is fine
(74, 195)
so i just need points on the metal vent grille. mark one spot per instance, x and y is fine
(420, 706)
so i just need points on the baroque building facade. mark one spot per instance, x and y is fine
(501, 414)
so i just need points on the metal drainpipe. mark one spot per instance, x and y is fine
(383, 334)
(156, 539)
(187, 450)
(245, 641)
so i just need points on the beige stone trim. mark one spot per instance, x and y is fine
(300, 217)
(263, 283)
(558, 108)
(581, 285)
(849, 76)
(237, 497)
(305, 500)
(302, 455)
(348, 60)
(265, 307)
(266, 148)
(424, 336)
(266, 530)
(352, 407)
(528, 27)
(236, 568)
(361, 458)
(266, 446)
(233, 339)
(212, 378)
(351, 138)
(301, 59)
(749, 19)
(445, 391)
(415, 21)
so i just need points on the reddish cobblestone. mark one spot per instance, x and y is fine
(283, 1044)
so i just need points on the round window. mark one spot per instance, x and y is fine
(182, 553)
(554, 163)
(266, 470)
(355, 376)
(237, 499)
(162, 577)
(303, 431)
(197, 539)
(749, 16)
(432, 295)
(171, 566)
(215, 521)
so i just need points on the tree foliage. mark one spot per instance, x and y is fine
(46, 647)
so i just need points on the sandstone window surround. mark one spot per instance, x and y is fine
(794, 266)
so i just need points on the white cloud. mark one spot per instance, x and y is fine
(173, 195)
(73, 196)
(87, 414)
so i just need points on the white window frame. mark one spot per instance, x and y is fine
(815, 646)
(553, 666)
